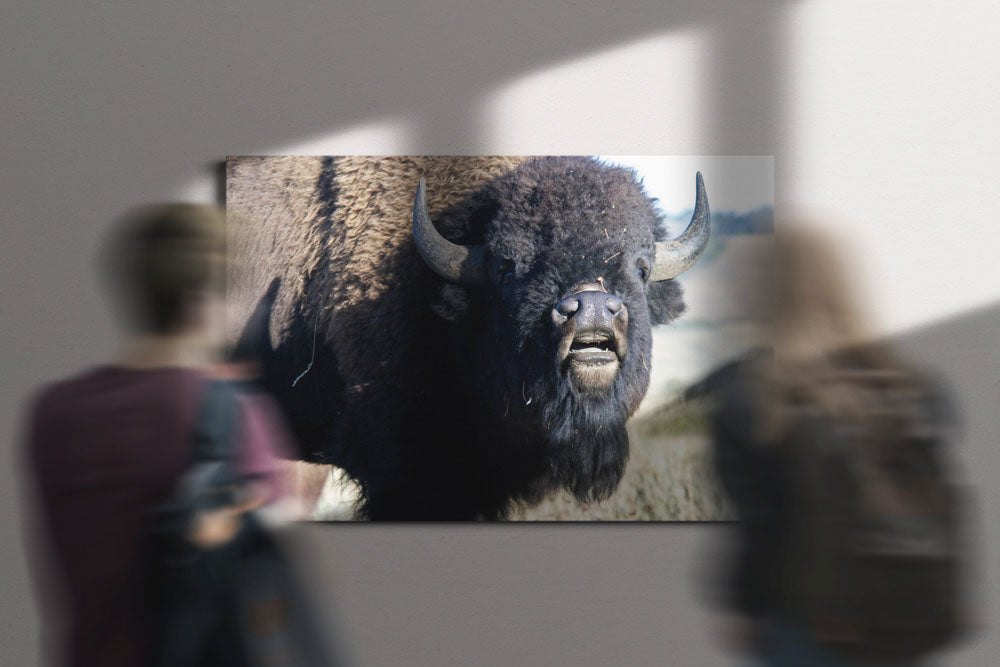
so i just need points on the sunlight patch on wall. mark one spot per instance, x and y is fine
(384, 137)
(903, 184)
(548, 107)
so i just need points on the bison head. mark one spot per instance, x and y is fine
(555, 275)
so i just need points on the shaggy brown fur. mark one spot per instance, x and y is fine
(277, 218)
(274, 221)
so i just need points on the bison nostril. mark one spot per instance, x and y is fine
(614, 304)
(568, 306)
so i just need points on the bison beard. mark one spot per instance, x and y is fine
(446, 400)
(587, 447)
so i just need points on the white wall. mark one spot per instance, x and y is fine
(879, 113)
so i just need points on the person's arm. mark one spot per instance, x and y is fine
(292, 488)
(265, 453)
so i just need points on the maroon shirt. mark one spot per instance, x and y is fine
(105, 447)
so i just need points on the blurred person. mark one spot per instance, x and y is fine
(107, 447)
(831, 450)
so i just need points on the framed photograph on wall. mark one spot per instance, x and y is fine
(501, 337)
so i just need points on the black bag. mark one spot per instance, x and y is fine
(234, 605)
(875, 544)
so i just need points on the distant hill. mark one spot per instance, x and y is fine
(729, 223)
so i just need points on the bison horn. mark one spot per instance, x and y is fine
(677, 256)
(458, 263)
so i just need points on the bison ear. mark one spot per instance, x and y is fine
(666, 301)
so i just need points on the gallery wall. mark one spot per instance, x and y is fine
(881, 121)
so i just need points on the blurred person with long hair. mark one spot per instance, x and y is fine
(106, 446)
(827, 444)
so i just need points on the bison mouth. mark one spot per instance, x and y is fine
(591, 357)
(595, 346)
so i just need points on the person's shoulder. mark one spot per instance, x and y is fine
(48, 406)
(732, 376)
(55, 395)
(745, 377)
(733, 388)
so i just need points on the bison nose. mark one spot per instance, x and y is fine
(589, 308)
(568, 306)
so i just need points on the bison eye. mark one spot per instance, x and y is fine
(505, 275)
(642, 269)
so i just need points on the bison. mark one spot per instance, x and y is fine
(458, 334)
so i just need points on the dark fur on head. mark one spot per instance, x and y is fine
(554, 223)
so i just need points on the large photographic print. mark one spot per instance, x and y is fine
(482, 337)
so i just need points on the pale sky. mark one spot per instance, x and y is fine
(734, 183)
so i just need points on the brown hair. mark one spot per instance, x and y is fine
(163, 257)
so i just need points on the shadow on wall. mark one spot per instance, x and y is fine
(432, 73)
(966, 349)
